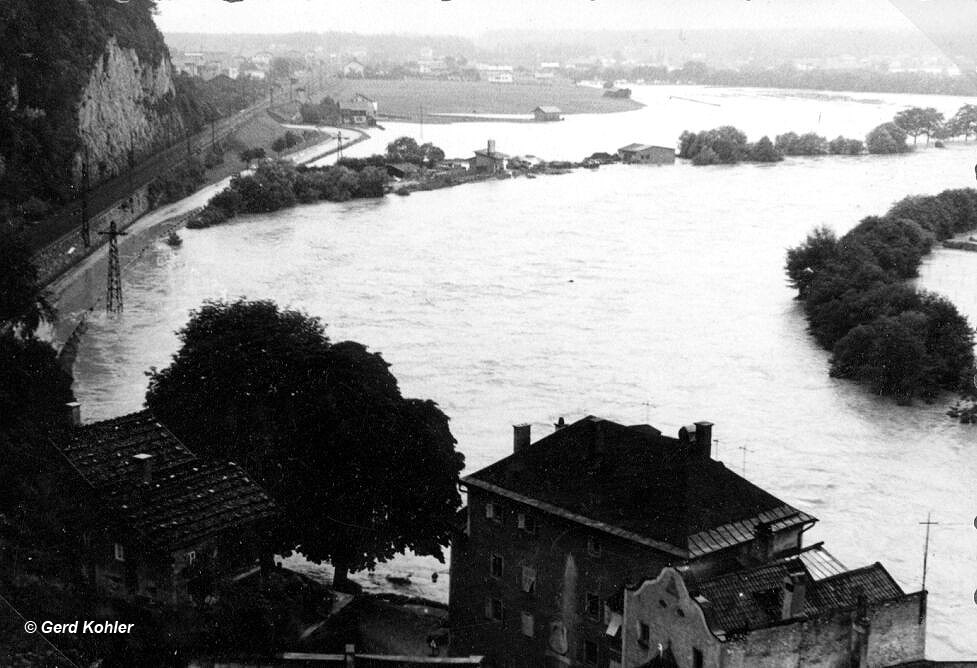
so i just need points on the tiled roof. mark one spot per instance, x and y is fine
(192, 501)
(641, 484)
(633, 148)
(186, 498)
(751, 598)
(548, 109)
(102, 452)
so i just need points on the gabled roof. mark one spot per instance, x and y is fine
(547, 109)
(364, 107)
(494, 155)
(751, 598)
(638, 484)
(637, 148)
(186, 498)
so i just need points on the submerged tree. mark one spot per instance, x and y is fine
(361, 472)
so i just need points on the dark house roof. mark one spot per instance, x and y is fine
(185, 499)
(638, 484)
(751, 598)
(547, 109)
(638, 148)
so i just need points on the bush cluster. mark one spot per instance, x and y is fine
(280, 184)
(728, 145)
(179, 182)
(904, 342)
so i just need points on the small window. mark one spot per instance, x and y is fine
(493, 609)
(527, 523)
(594, 548)
(697, 660)
(497, 565)
(528, 579)
(191, 557)
(493, 511)
(644, 634)
(528, 624)
(662, 603)
(680, 612)
(593, 606)
(590, 652)
(120, 553)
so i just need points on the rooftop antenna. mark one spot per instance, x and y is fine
(745, 450)
(926, 549)
(113, 293)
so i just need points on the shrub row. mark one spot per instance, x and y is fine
(728, 145)
(903, 342)
(280, 184)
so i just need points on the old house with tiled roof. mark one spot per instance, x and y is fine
(777, 614)
(161, 523)
(554, 532)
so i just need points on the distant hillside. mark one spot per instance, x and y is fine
(79, 78)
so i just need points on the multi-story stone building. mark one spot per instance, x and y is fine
(557, 529)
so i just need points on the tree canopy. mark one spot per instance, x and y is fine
(361, 472)
(901, 341)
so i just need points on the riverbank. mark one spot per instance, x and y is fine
(71, 290)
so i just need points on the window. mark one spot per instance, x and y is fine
(493, 609)
(680, 612)
(497, 565)
(493, 511)
(528, 579)
(593, 547)
(191, 557)
(593, 606)
(528, 624)
(527, 523)
(697, 659)
(120, 553)
(590, 652)
(644, 634)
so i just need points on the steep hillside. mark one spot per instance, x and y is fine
(79, 80)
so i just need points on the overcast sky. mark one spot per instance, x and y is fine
(472, 17)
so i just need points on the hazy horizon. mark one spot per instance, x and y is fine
(471, 18)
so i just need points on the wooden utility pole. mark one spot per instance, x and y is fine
(113, 293)
(86, 232)
(926, 548)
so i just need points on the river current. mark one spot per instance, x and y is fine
(636, 293)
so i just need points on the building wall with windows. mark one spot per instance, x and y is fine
(531, 589)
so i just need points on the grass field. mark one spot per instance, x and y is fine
(405, 98)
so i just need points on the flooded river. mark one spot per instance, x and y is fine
(634, 293)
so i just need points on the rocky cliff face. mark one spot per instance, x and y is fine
(127, 105)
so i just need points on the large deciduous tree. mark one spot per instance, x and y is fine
(361, 472)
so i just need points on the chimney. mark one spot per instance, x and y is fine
(703, 440)
(795, 592)
(73, 414)
(521, 435)
(144, 466)
(560, 424)
(763, 542)
(491, 146)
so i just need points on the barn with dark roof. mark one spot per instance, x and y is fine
(162, 524)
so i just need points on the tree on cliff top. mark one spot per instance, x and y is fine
(361, 472)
